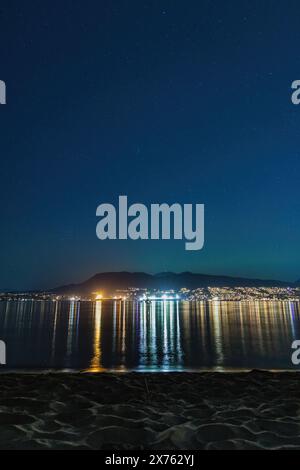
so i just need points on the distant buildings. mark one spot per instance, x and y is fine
(137, 294)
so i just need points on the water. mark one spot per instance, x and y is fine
(161, 336)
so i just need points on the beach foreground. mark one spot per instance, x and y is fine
(254, 410)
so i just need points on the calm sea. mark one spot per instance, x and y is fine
(160, 336)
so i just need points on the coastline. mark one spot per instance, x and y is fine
(145, 371)
(131, 410)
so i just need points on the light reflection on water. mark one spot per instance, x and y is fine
(169, 335)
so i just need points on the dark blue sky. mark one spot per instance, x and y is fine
(165, 101)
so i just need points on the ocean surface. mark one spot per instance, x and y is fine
(159, 336)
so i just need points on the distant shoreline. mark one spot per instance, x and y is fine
(141, 301)
(120, 372)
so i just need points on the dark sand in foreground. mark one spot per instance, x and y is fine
(255, 410)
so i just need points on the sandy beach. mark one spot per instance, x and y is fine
(255, 410)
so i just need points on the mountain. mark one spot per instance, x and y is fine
(109, 282)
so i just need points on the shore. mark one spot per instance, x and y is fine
(254, 410)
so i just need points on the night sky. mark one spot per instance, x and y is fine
(163, 101)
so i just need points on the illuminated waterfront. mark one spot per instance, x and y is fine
(163, 335)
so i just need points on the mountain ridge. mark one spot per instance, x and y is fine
(111, 281)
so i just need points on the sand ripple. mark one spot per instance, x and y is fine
(256, 410)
